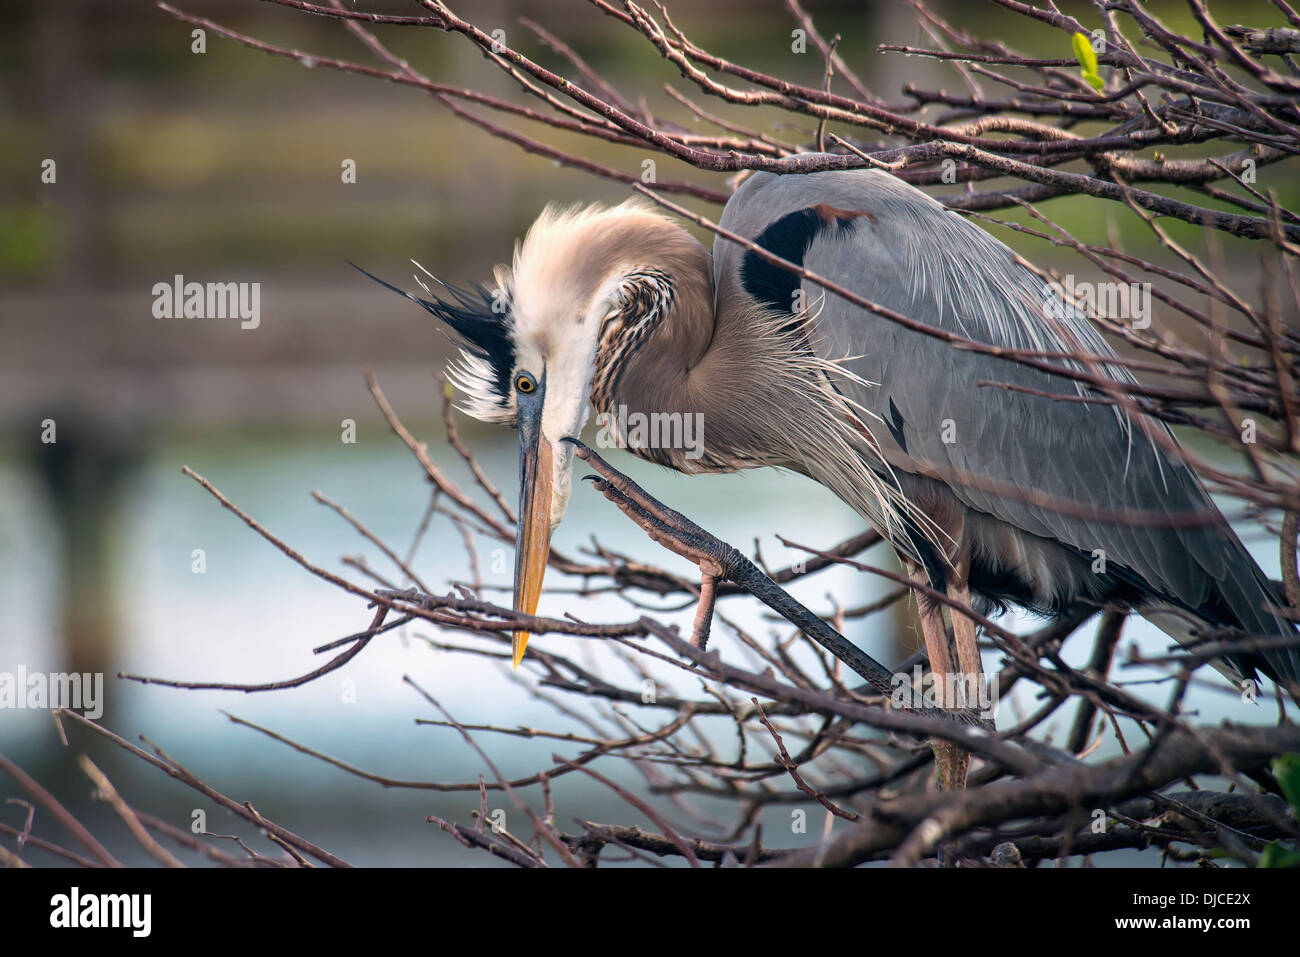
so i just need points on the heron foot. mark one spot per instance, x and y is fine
(719, 561)
(724, 562)
(669, 528)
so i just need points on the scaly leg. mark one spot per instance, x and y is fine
(963, 629)
(951, 761)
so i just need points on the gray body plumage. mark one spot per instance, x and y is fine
(1043, 488)
(1021, 495)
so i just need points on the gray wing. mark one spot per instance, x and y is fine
(1056, 469)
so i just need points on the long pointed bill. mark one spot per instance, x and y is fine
(533, 537)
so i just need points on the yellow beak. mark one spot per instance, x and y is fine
(533, 533)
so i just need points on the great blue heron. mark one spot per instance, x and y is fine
(997, 482)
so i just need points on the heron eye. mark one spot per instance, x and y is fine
(525, 384)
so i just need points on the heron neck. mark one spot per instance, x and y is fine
(692, 392)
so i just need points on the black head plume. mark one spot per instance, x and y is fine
(482, 321)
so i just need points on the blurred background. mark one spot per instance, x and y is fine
(226, 166)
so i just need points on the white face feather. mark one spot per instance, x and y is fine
(476, 381)
(557, 304)
(565, 363)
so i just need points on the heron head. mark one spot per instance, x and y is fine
(555, 323)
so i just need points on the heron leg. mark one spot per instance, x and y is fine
(964, 636)
(951, 761)
(704, 613)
